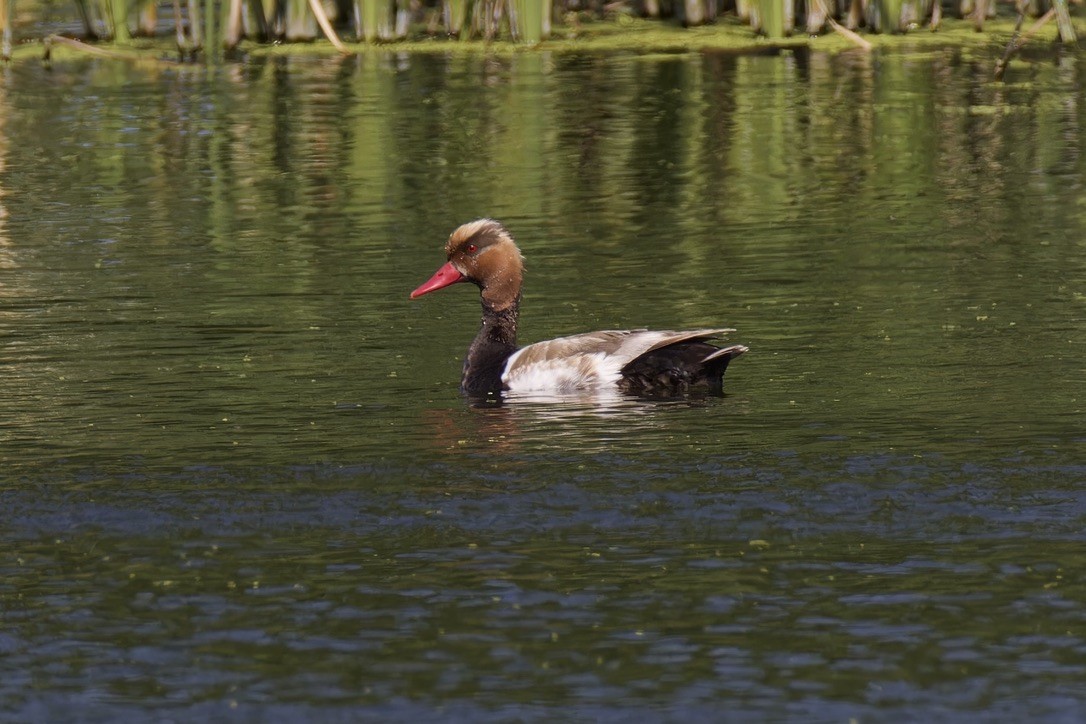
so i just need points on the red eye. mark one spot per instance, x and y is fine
(472, 248)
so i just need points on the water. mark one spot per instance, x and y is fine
(238, 480)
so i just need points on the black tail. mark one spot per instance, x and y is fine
(679, 369)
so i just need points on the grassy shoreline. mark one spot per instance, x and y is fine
(626, 35)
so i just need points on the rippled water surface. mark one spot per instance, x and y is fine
(238, 480)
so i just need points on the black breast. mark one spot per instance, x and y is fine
(483, 367)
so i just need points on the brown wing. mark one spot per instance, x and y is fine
(589, 360)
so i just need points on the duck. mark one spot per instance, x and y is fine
(634, 361)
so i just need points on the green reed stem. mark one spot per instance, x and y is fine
(98, 14)
(212, 36)
(255, 21)
(118, 14)
(370, 13)
(771, 15)
(889, 15)
(455, 14)
(85, 16)
(529, 21)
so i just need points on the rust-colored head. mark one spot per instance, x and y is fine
(481, 252)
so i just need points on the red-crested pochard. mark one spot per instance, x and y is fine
(638, 361)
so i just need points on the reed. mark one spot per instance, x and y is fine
(325, 24)
(770, 16)
(94, 27)
(376, 19)
(455, 15)
(102, 19)
(146, 18)
(275, 11)
(909, 13)
(816, 16)
(196, 38)
(403, 19)
(529, 21)
(980, 12)
(211, 25)
(232, 27)
(184, 46)
(299, 25)
(118, 14)
(368, 14)
(483, 19)
(889, 15)
(1019, 38)
(212, 35)
(695, 12)
(5, 28)
(254, 21)
(1063, 21)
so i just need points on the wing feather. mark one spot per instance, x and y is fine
(586, 361)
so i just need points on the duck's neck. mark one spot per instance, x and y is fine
(491, 348)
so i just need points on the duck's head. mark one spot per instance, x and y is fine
(481, 252)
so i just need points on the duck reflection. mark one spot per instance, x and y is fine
(579, 422)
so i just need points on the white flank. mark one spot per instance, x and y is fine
(568, 364)
(579, 372)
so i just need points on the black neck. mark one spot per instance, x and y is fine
(492, 346)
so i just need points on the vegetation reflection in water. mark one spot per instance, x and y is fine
(236, 471)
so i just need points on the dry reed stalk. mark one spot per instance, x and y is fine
(980, 12)
(849, 35)
(5, 29)
(326, 26)
(300, 24)
(816, 16)
(1017, 41)
(838, 28)
(1063, 21)
(232, 33)
(195, 33)
(183, 45)
(101, 52)
(147, 18)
